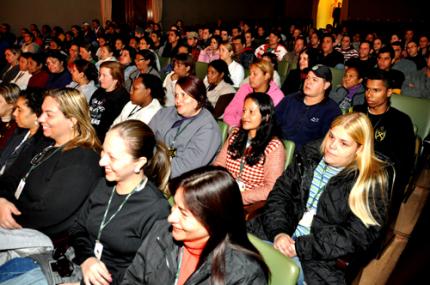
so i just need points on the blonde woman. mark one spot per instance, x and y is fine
(330, 203)
(237, 72)
(47, 195)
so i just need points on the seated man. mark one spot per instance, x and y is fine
(306, 116)
(272, 46)
(394, 134)
(365, 60)
(385, 61)
(242, 54)
(417, 84)
(329, 56)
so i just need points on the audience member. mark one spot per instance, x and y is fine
(237, 72)
(296, 77)
(273, 46)
(211, 52)
(183, 65)
(328, 55)
(85, 76)
(242, 54)
(59, 76)
(23, 76)
(8, 95)
(417, 84)
(36, 66)
(218, 81)
(11, 69)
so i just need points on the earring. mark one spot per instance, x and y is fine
(136, 170)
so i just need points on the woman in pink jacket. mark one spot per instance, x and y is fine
(260, 80)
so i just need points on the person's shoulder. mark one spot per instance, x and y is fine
(243, 265)
(399, 115)
(274, 144)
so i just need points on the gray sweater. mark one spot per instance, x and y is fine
(197, 143)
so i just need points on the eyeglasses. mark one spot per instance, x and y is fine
(139, 59)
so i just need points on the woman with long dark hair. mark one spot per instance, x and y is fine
(253, 154)
(218, 81)
(206, 241)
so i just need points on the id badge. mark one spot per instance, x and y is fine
(241, 184)
(98, 250)
(2, 169)
(19, 189)
(307, 218)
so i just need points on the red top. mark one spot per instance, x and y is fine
(190, 258)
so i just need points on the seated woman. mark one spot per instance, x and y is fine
(188, 128)
(351, 92)
(127, 60)
(212, 51)
(36, 66)
(86, 52)
(330, 203)
(51, 192)
(146, 42)
(146, 98)
(107, 101)
(23, 76)
(237, 72)
(11, 68)
(124, 205)
(260, 80)
(218, 81)
(296, 77)
(145, 63)
(204, 240)
(253, 154)
(28, 138)
(59, 76)
(106, 54)
(9, 93)
(85, 76)
(183, 65)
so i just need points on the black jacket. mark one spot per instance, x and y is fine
(335, 231)
(156, 262)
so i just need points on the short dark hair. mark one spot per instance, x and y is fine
(387, 49)
(378, 74)
(88, 68)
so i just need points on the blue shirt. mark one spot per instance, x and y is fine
(301, 123)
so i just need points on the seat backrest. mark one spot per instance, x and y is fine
(337, 75)
(283, 269)
(223, 127)
(201, 69)
(290, 146)
(164, 61)
(222, 103)
(418, 109)
(283, 70)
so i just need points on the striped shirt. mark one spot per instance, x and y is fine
(322, 175)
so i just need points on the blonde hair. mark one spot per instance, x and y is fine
(264, 66)
(73, 104)
(372, 178)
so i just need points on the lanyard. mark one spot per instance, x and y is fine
(134, 111)
(22, 142)
(104, 223)
(181, 253)
(178, 132)
(40, 158)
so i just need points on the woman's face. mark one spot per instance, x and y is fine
(24, 116)
(340, 149)
(76, 75)
(11, 58)
(141, 63)
(125, 58)
(214, 77)
(119, 45)
(394, 38)
(251, 116)
(55, 125)
(32, 66)
(377, 44)
(139, 92)
(85, 54)
(186, 105)
(303, 61)
(224, 54)
(143, 44)
(23, 63)
(214, 44)
(54, 65)
(104, 53)
(101, 41)
(351, 78)
(116, 159)
(257, 78)
(181, 69)
(5, 108)
(185, 226)
(107, 82)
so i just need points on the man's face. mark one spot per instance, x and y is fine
(299, 45)
(327, 45)
(397, 52)
(424, 42)
(409, 35)
(377, 94)
(273, 39)
(412, 49)
(346, 42)
(172, 38)
(224, 36)
(237, 46)
(235, 32)
(364, 51)
(205, 34)
(384, 61)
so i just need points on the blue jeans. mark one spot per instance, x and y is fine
(15, 267)
(301, 280)
(32, 277)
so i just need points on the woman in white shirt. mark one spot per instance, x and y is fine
(237, 72)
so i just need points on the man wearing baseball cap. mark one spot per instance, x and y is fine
(306, 115)
(192, 42)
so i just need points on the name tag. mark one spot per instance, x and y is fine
(241, 184)
(19, 189)
(98, 250)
